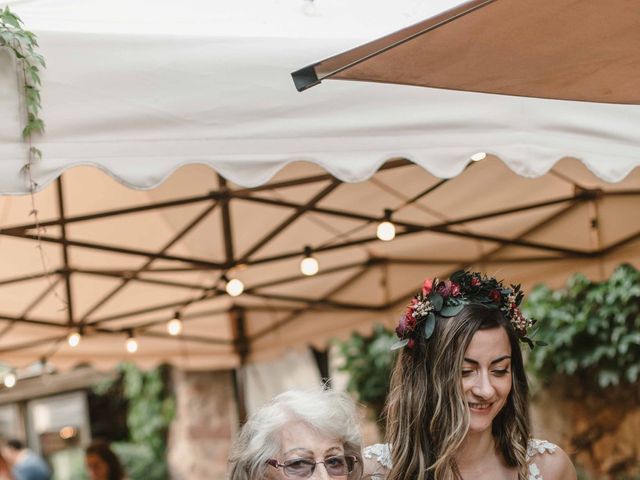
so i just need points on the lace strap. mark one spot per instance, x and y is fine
(541, 447)
(379, 452)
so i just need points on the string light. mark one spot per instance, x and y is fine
(174, 326)
(131, 344)
(386, 230)
(476, 157)
(73, 339)
(309, 265)
(10, 380)
(234, 287)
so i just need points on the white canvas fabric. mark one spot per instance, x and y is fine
(139, 89)
(143, 90)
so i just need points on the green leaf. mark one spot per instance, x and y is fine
(400, 344)
(429, 325)
(436, 300)
(450, 310)
(36, 153)
(11, 19)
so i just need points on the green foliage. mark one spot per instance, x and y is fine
(23, 44)
(150, 411)
(592, 329)
(369, 361)
(140, 461)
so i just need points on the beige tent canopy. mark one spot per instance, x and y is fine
(170, 108)
(559, 49)
(126, 262)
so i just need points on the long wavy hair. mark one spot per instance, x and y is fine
(427, 414)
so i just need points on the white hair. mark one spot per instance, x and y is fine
(328, 412)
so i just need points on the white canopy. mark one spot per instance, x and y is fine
(140, 89)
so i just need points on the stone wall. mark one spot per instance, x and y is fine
(205, 425)
(599, 429)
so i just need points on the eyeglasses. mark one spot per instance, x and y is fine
(338, 466)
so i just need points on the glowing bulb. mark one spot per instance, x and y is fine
(309, 8)
(234, 287)
(476, 157)
(132, 345)
(67, 432)
(10, 380)
(386, 231)
(174, 326)
(74, 339)
(309, 266)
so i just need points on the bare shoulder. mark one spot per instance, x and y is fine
(554, 464)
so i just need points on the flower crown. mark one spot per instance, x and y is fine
(447, 298)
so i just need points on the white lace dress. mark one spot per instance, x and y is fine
(380, 452)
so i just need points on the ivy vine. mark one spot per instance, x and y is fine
(23, 44)
(592, 329)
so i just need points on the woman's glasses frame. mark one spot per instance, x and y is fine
(349, 461)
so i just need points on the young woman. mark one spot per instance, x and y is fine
(299, 435)
(458, 405)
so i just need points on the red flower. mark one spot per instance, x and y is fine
(495, 296)
(475, 281)
(448, 289)
(411, 343)
(407, 323)
(427, 286)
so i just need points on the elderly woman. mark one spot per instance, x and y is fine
(300, 434)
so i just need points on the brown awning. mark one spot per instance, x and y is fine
(585, 50)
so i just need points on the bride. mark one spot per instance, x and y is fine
(458, 404)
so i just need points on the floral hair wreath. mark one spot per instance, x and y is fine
(447, 298)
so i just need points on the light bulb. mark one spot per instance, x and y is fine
(309, 8)
(234, 287)
(309, 266)
(386, 231)
(132, 345)
(174, 326)
(10, 380)
(476, 157)
(74, 339)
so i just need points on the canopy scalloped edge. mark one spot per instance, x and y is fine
(447, 165)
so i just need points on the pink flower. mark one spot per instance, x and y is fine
(475, 281)
(411, 343)
(427, 286)
(455, 289)
(495, 296)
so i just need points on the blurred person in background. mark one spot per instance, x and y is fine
(5, 469)
(102, 463)
(300, 434)
(25, 464)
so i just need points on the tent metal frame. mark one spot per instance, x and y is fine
(90, 322)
